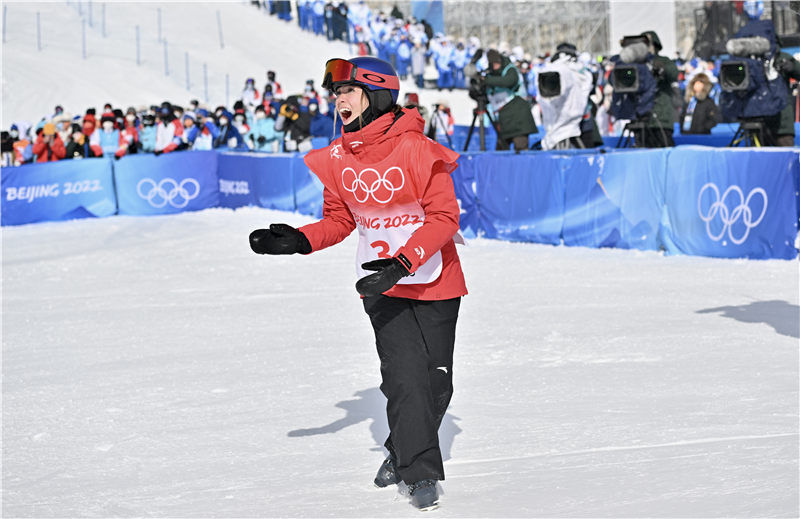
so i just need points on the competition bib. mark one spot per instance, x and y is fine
(380, 236)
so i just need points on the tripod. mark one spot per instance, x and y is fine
(753, 132)
(478, 113)
(639, 128)
(435, 121)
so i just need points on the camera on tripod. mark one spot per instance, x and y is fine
(564, 88)
(752, 87)
(478, 92)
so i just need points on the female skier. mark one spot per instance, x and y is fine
(384, 177)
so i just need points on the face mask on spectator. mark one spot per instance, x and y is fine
(14, 133)
(260, 115)
(223, 121)
(130, 118)
(108, 126)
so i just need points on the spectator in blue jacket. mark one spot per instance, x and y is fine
(262, 136)
(207, 130)
(403, 57)
(147, 134)
(321, 124)
(443, 58)
(229, 136)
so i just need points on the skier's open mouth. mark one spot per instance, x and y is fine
(345, 113)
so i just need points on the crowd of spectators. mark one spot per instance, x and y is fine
(264, 120)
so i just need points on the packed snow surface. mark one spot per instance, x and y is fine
(156, 367)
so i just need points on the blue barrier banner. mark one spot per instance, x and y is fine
(307, 189)
(464, 184)
(61, 190)
(168, 183)
(732, 203)
(614, 199)
(520, 197)
(238, 179)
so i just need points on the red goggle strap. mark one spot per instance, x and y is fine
(377, 79)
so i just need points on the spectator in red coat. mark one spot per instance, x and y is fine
(49, 147)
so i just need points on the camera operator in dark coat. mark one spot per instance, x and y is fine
(663, 115)
(513, 113)
(788, 68)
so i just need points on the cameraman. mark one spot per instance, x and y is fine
(513, 113)
(663, 115)
(788, 68)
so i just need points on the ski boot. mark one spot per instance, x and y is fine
(387, 474)
(424, 495)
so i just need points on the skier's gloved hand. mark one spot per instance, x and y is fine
(387, 273)
(279, 239)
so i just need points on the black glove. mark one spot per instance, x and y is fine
(784, 66)
(279, 239)
(262, 140)
(157, 153)
(387, 273)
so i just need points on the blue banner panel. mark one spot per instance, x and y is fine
(520, 197)
(614, 199)
(732, 203)
(238, 179)
(464, 184)
(168, 183)
(57, 191)
(307, 189)
(274, 187)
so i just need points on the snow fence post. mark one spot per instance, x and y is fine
(219, 26)
(166, 63)
(138, 54)
(205, 80)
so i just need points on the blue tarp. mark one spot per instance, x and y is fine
(686, 200)
(61, 190)
(614, 199)
(731, 203)
(165, 184)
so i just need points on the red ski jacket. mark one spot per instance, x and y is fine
(393, 184)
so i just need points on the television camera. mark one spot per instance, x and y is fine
(564, 88)
(635, 81)
(753, 90)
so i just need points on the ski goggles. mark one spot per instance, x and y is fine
(342, 71)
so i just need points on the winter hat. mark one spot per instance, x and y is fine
(202, 112)
(49, 129)
(494, 57)
(108, 116)
(412, 98)
(189, 115)
(76, 128)
(260, 108)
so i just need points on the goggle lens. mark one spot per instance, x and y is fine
(337, 70)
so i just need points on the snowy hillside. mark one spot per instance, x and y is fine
(252, 42)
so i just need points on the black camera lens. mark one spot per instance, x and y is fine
(625, 78)
(734, 76)
(550, 84)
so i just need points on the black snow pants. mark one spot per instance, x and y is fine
(415, 342)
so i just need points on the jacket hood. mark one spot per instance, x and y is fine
(654, 38)
(375, 141)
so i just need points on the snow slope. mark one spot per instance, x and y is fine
(35, 81)
(156, 367)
